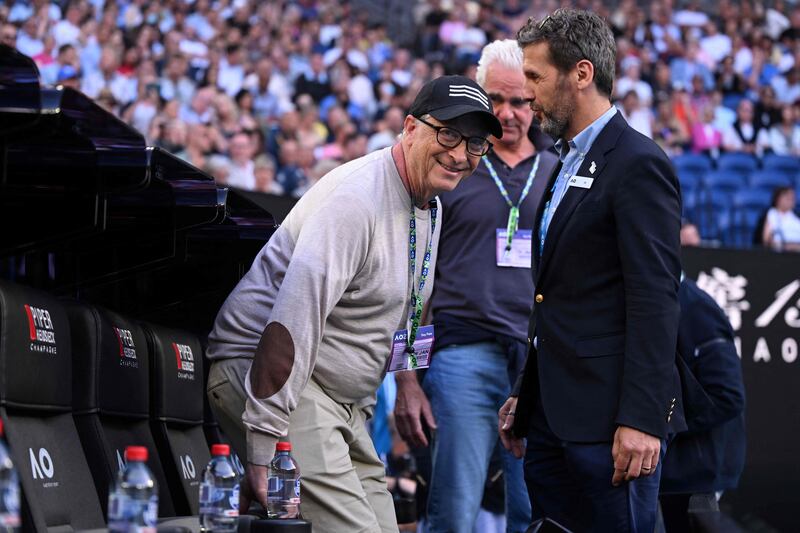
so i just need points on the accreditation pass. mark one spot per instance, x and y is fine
(401, 359)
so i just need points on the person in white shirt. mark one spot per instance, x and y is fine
(782, 226)
(784, 138)
(716, 44)
(242, 175)
(638, 117)
(632, 81)
(745, 134)
(231, 70)
(68, 30)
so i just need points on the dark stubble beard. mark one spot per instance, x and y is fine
(555, 122)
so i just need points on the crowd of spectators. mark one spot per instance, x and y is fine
(270, 95)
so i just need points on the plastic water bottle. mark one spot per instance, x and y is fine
(283, 484)
(219, 492)
(9, 490)
(133, 501)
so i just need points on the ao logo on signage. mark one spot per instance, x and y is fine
(187, 467)
(42, 466)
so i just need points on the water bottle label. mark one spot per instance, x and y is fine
(9, 515)
(297, 488)
(131, 515)
(223, 500)
(205, 493)
(233, 500)
(274, 485)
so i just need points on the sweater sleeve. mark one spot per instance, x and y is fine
(331, 247)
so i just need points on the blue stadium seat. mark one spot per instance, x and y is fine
(690, 179)
(696, 163)
(752, 199)
(737, 161)
(730, 181)
(712, 212)
(783, 163)
(769, 180)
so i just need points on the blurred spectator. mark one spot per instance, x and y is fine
(782, 225)
(290, 175)
(264, 171)
(706, 137)
(174, 83)
(632, 81)
(638, 117)
(746, 134)
(730, 82)
(314, 81)
(767, 108)
(669, 132)
(683, 69)
(787, 87)
(387, 129)
(333, 70)
(242, 171)
(690, 235)
(784, 138)
(109, 77)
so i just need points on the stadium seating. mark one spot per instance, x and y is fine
(36, 397)
(176, 405)
(784, 163)
(727, 202)
(111, 396)
(769, 180)
(694, 163)
(737, 162)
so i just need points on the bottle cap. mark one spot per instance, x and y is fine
(284, 446)
(136, 453)
(220, 449)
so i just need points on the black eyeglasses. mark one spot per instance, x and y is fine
(450, 138)
(516, 102)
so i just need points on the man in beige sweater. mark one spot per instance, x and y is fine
(333, 300)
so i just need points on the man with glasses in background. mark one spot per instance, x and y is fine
(333, 301)
(599, 394)
(480, 307)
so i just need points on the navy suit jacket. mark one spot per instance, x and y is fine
(606, 312)
(710, 455)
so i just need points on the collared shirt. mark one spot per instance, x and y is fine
(571, 155)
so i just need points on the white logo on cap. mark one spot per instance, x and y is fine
(469, 92)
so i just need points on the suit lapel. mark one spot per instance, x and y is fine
(595, 160)
(546, 195)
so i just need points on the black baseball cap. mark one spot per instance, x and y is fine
(449, 97)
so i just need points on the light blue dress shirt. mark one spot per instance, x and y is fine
(571, 154)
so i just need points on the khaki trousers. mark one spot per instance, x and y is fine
(343, 486)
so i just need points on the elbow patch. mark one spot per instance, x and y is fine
(273, 361)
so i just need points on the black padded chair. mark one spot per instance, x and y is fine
(111, 396)
(176, 407)
(36, 399)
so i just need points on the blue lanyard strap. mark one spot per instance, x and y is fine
(513, 216)
(416, 296)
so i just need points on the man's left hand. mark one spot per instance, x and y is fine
(635, 454)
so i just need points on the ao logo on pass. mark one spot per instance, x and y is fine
(41, 464)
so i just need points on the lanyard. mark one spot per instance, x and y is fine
(416, 296)
(513, 215)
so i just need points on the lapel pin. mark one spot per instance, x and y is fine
(592, 168)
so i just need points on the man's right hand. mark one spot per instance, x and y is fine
(410, 408)
(505, 423)
(254, 487)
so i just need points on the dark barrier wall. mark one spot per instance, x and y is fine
(760, 292)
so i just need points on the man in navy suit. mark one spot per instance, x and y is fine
(599, 394)
(709, 457)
